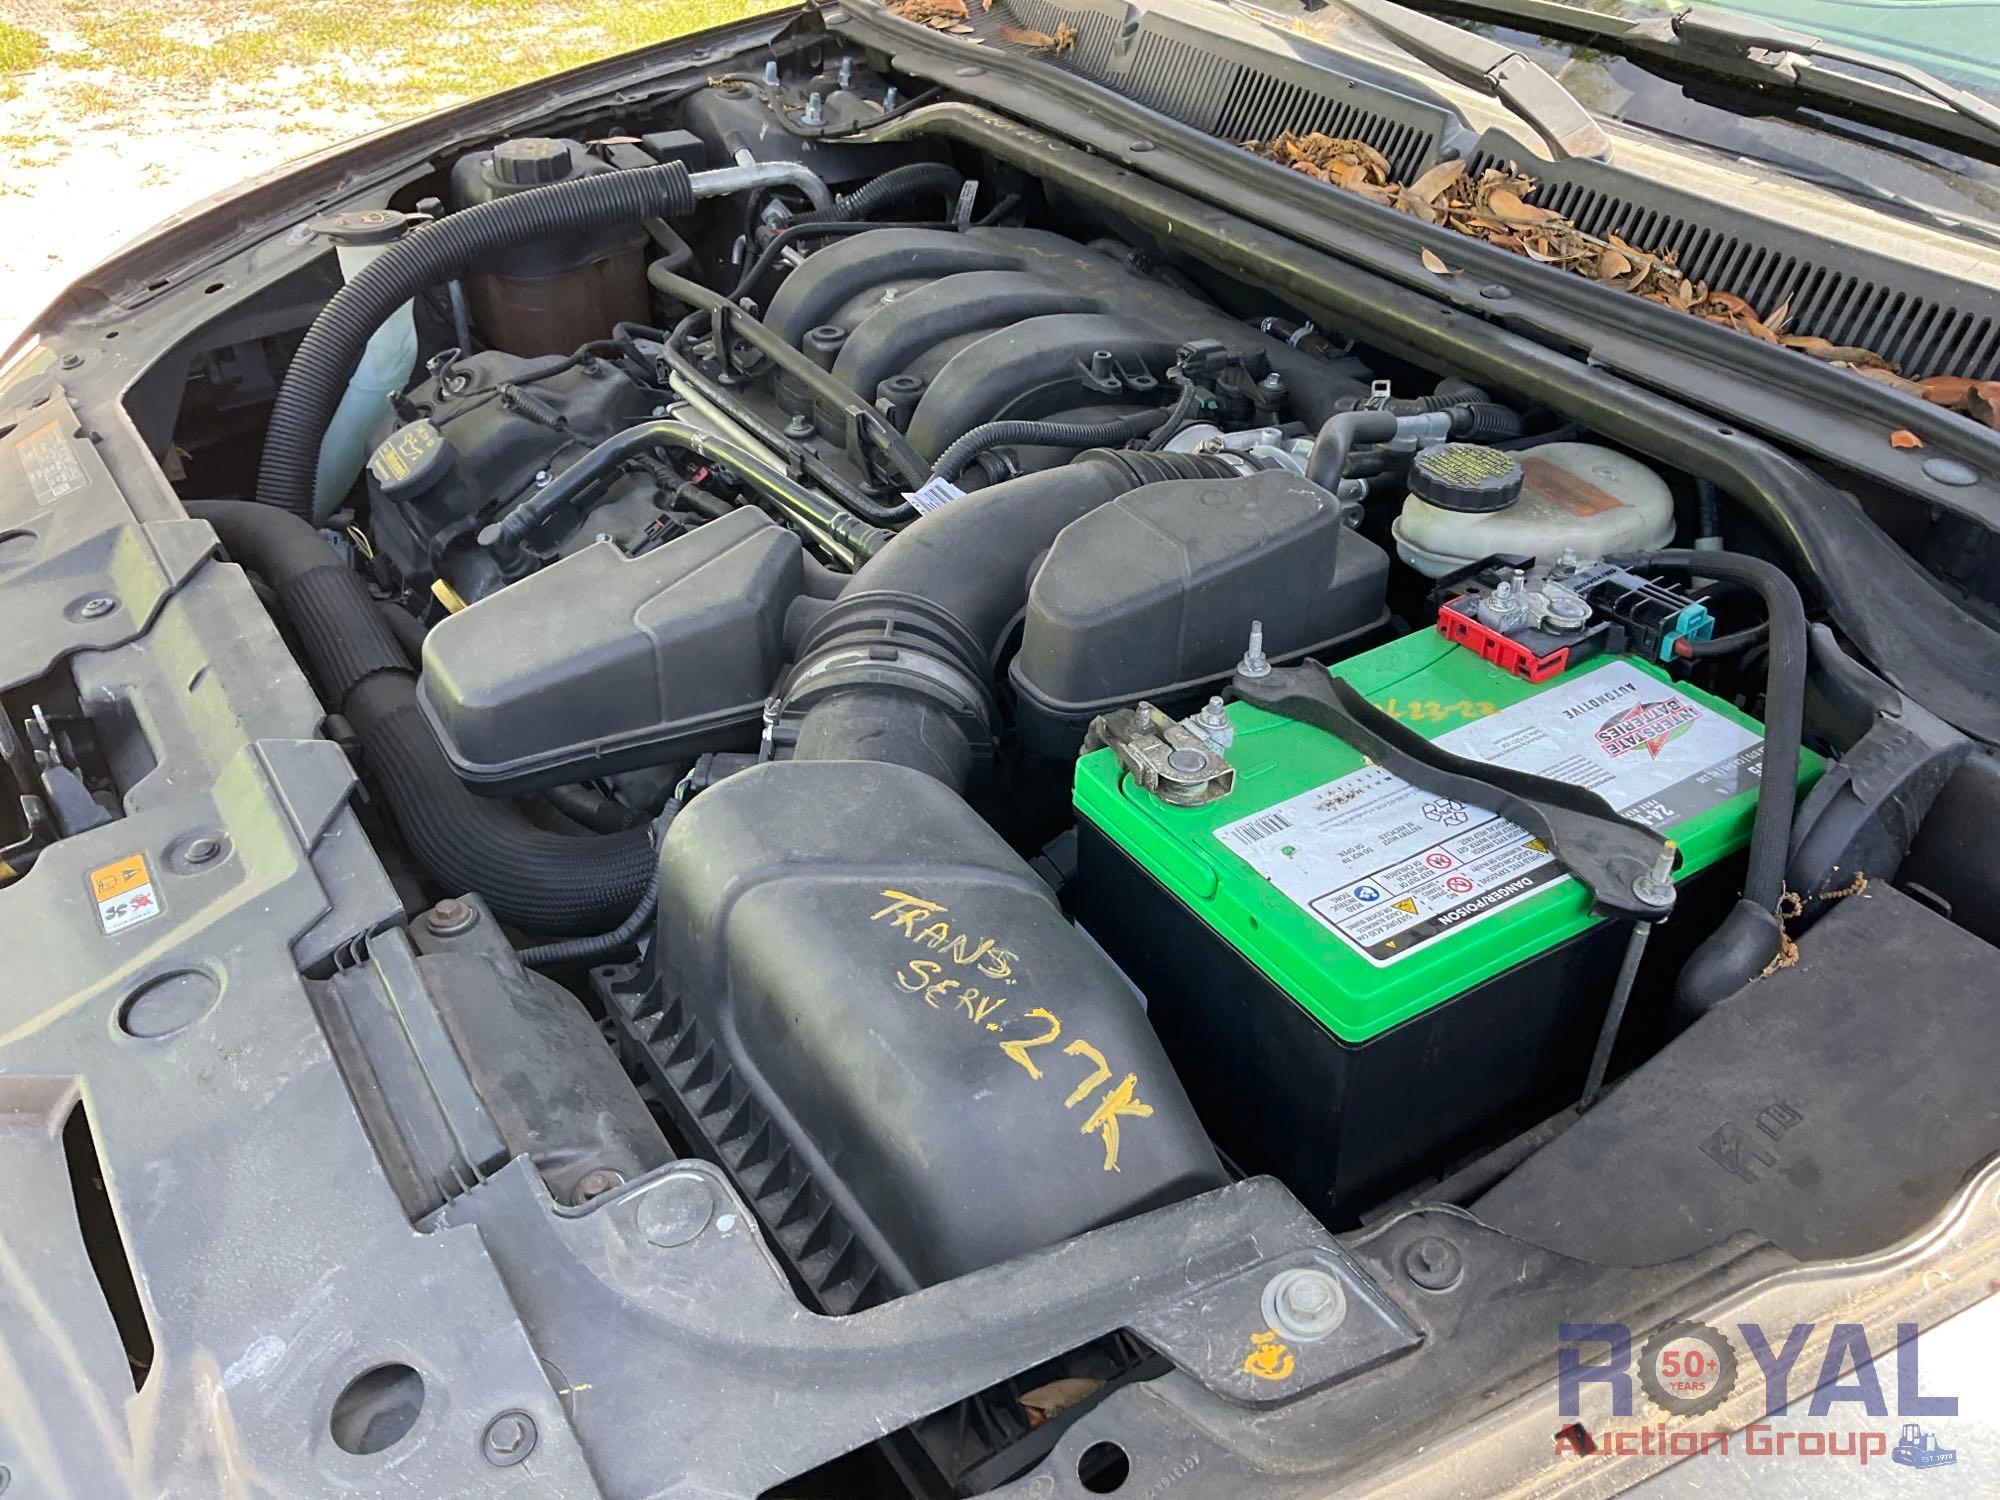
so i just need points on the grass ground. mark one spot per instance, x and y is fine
(113, 117)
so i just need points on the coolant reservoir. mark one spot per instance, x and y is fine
(1468, 502)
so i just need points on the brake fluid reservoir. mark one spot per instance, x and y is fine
(1467, 502)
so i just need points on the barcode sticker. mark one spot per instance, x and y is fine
(1261, 827)
(932, 494)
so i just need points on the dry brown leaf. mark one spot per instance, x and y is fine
(1046, 1402)
(1982, 403)
(930, 12)
(1946, 390)
(1495, 209)
(1434, 263)
(1902, 437)
(1041, 41)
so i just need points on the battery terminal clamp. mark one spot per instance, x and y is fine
(1170, 760)
(1614, 857)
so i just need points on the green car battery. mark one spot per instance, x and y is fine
(1359, 980)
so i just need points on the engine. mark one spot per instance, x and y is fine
(1005, 725)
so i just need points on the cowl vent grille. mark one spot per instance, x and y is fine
(1226, 87)
(1924, 322)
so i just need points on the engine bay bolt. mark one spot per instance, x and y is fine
(800, 426)
(541, 477)
(1214, 714)
(1656, 886)
(72, 361)
(846, 74)
(1433, 1263)
(509, 1438)
(1255, 663)
(97, 608)
(450, 917)
(814, 115)
(596, 1183)
(1305, 1303)
(1272, 384)
(771, 73)
(890, 98)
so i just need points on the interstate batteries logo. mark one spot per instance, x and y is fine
(1644, 726)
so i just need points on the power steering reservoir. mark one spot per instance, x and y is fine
(1357, 979)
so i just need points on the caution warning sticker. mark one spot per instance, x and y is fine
(124, 893)
(1389, 868)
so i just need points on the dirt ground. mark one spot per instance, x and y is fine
(114, 117)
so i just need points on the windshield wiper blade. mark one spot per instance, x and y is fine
(1498, 71)
(1780, 54)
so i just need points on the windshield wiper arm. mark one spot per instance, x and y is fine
(1516, 80)
(1780, 53)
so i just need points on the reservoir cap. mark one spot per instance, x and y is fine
(411, 460)
(531, 160)
(1465, 477)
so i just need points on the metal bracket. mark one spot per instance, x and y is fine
(1168, 759)
(1613, 856)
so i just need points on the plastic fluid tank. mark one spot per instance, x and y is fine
(1463, 505)
(386, 363)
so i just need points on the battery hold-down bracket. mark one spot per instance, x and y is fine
(1614, 857)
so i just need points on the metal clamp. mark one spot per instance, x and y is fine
(1168, 759)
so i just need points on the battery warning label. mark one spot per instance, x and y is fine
(1388, 868)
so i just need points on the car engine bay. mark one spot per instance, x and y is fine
(910, 717)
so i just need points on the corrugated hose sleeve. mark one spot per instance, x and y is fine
(332, 347)
(545, 882)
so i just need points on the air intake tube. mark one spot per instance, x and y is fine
(900, 669)
(547, 883)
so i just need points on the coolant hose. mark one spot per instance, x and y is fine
(1749, 937)
(532, 878)
(893, 186)
(1337, 437)
(332, 348)
(953, 461)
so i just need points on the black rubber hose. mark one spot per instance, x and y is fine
(583, 950)
(1177, 415)
(893, 186)
(1337, 437)
(847, 533)
(1784, 702)
(753, 276)
(1485, 422)
(532, 878)
(319, 372)
(407, 628)
(952, 462)
(592, 809)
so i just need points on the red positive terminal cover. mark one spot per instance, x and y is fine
(1508, 655)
